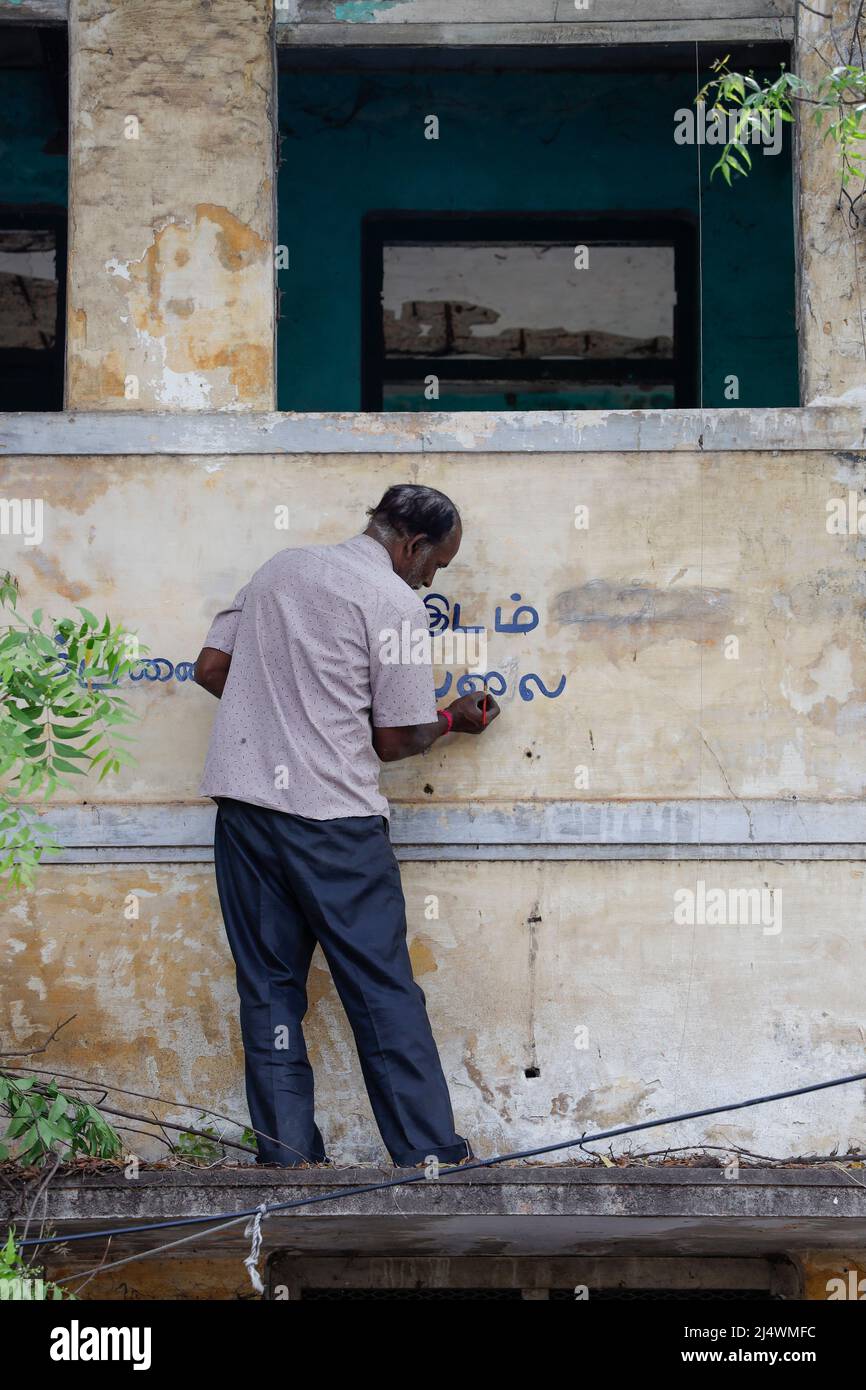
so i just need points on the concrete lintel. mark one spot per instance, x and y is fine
(526, 1208)
(492, 34)
(526, 21)
(755, 830)
(40, 12)
(126, 433)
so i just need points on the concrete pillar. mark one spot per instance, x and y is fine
(171, 258)
(832, 291)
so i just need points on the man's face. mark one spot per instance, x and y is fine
(418, 558)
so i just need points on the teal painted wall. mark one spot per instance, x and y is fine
(28, 124)
(518, 141)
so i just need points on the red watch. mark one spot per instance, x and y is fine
(446, 714)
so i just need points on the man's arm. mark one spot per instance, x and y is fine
(468, 714)
(215, 657)
(211, 669)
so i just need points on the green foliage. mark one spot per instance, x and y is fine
(59, 718)
(201, 1148)
(44, 1121)
(842, 102)
(838, 99)
(20, 1281)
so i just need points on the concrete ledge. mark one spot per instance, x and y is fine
(524, 1209)
(122, 433)
(183, 831)
(581, 33)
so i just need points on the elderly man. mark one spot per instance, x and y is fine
(308, 708)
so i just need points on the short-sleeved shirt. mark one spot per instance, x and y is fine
(312, 671)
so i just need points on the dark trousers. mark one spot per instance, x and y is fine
(286, 883)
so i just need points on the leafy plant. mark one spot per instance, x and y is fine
(19, 1281)
(60, 717)
(753, 107)
(44, 1121)
(202, 1147)
(838, 98)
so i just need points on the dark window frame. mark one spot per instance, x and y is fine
(35, 217)
(677, 229)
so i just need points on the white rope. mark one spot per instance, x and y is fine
(253, 1229)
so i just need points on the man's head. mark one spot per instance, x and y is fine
(420, 528)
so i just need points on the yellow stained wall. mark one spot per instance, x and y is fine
(578, 970)
(708, 625)
(682, 554)
(832, 243)
(171, 268)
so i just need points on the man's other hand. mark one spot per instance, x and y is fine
(212, 669)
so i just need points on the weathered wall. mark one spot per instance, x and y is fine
(172, 284)
(342, 22)
(832, 237)
(521, 958)
(171, 295)
(683, 553)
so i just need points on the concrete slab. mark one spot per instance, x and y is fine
(510, 1210)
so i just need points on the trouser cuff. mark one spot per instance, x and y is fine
(448, 1153)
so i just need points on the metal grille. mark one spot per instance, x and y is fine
(555, 1295)
(389, 1295)
(666, 1295)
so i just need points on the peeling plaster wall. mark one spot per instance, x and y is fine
(832, 249)
(171, 282)
(519, 958)
(682, 553)
(171, 288)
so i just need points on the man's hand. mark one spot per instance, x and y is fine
(468, 717)
(469, 712)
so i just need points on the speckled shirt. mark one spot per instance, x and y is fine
(307, 682)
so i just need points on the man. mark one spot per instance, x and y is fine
(308, 708)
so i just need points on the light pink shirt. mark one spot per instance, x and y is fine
(307, 682)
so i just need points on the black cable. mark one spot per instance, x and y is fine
(266, 1210)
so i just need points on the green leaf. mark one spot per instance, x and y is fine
(60, 764)
(72, 730)
(58, 1110)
